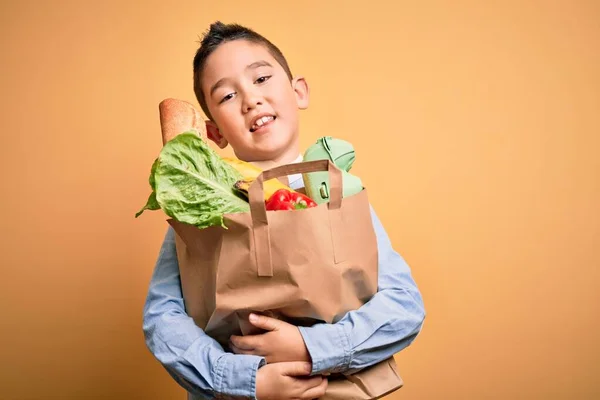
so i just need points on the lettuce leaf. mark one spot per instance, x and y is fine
(192, 184)
(151, 204)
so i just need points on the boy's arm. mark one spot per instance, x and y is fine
(195, 360)
(386, 324)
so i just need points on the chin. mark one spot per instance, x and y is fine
(274, 146)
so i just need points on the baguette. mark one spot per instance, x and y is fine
(178, 116)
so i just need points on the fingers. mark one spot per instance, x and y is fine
(244, 342)
(264, 322)
(237, 350)
(296, 368)
(316, 392)
(311, 382)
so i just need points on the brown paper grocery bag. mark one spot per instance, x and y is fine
(303, 266)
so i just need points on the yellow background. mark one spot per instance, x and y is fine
(476, 127)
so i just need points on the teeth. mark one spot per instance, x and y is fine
(262, 121)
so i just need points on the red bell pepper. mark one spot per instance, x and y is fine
(283, 199)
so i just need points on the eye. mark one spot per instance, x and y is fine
(263, 79)
(227, 97)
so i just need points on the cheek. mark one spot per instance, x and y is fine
(228, 121)
(286, 102)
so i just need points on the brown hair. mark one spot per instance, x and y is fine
(218, 34)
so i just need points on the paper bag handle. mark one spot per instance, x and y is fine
(262, 240)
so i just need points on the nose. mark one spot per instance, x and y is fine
(252, 98)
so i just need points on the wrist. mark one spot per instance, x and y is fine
(235, 375)
(304, 353)
(328, 346)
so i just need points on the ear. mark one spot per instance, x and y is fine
(300, 87)
(213, 133)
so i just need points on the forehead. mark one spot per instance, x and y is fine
(231, 58)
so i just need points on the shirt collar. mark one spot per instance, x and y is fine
(296, 180)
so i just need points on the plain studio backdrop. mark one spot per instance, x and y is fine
(476, 128)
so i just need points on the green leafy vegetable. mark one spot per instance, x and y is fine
(151, 204)
(192, 184)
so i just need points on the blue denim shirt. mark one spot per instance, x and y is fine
(383, 326)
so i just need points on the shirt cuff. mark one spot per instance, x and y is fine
(328, 346)
(236, 376)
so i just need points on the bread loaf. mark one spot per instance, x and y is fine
(178, 116)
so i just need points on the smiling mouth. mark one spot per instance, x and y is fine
(262, 122)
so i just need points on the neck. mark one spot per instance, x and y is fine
(286, 158)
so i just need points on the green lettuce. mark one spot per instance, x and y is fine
(192, 184)
(151, 204)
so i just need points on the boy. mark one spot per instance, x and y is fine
(246, 89)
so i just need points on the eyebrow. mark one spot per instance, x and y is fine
(254, 65)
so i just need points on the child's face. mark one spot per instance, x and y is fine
(253, 104)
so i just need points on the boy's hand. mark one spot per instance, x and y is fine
(282, 342)
(288, 380)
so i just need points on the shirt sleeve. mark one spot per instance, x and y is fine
(195, 360)
(386, 324)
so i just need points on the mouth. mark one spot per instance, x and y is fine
(261, 122)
